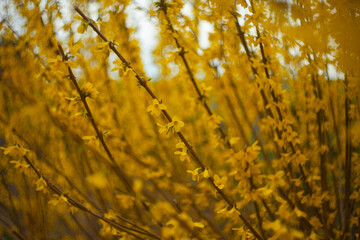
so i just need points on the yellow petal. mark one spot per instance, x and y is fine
(198, 225)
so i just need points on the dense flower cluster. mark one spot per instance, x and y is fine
(255, 136)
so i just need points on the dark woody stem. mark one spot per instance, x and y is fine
(263, 95)
(99, 134)
(201, 96)
(80, 206)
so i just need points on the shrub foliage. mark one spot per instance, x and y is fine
(255, 136)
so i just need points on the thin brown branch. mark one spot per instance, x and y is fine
(201, 96)
(80, 206)
(266, 101)
(99, 134)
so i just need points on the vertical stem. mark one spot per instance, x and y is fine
(320, 116)
(231, 107)
(337, 182)
(347, 159)
(265, 100)
(234, 89)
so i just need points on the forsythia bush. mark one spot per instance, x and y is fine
(255, 137)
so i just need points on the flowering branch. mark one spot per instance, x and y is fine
(80, 206)
(143, 83)
(99, 134)
(201, 97)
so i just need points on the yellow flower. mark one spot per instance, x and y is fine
(58, 199)
(73, 100)
(20, 164)
(275, 225)
(227, 210)
(195, 174)
(124, 70)
(156, 108)
(119, 65)
(277, 179)
(220, 182)
(264, 191)
(206, 173)
(75, 47)
(110, 215)
(214, 121)
(58, 64)
(198, 225)
(181, 145)
(176, 124)
(82, 114)
(56, 60)
(41, 185)
(83, 25)
(289, 135)
(15, 151)
(125, 201)
(73, 210)
(102, 46)
(54, 202)
(163, 128)
(234, 140)
(91, 140)
(299, 213)
(315, 222)
(98, 180)
(89, 91)
(183, 217)
(71, 64)
(183, 155)
(205, 89)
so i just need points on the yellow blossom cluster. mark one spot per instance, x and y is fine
(253, 135)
